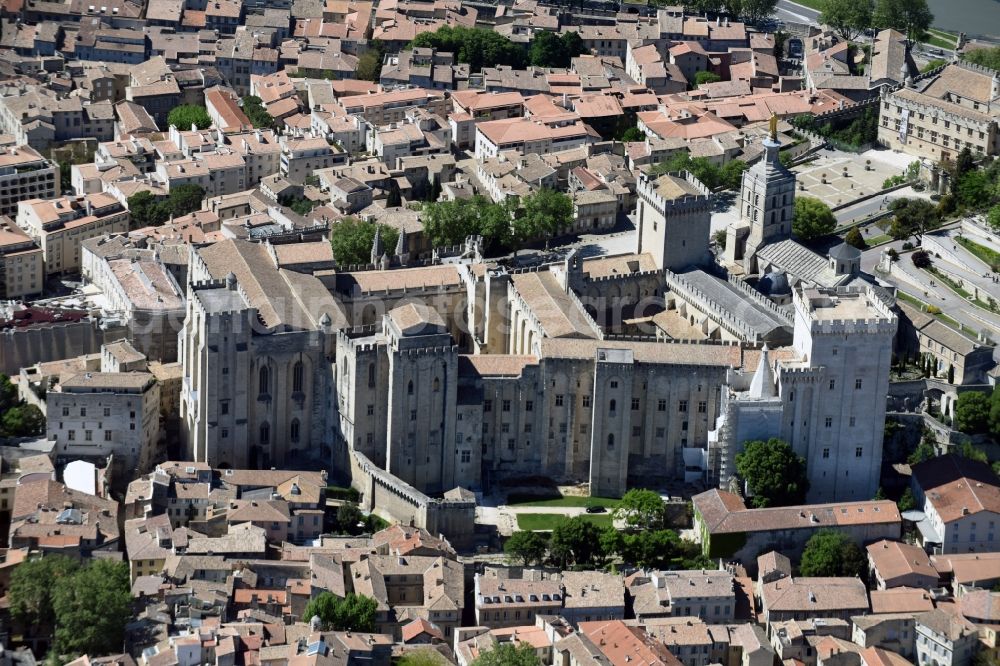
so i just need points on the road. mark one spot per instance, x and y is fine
(911, 280)
(791, 11)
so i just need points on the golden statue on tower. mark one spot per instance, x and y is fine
(773, 125)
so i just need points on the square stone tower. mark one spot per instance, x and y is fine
(767, 201)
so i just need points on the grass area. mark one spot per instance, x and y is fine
(536, 522)
(940, 38)
(988, 255)
(516, 499)
(878, 240)
(343, 493)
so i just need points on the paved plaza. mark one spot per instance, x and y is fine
(838, 178)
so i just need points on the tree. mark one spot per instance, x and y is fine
(910, 17)
(8, 393)
(508, 654)
(775, 475)
(145, 210)
(352, 240)
(830, 553)
(348, 517)
(32, 585)
(370, 62)
(427, 656)
(921, 259)
(451, 222)
(633, 134)
(254, 110)
(855, 239)
(184, 116)
(907, 501)
(704, 77)
(640, 508)
(848, 17)
(986, 57)
(812, 219)
(994, 421)
(731, 174)
(576, 540)
(476, 47)
(22, 421)
(92, 607)
(754, 11)
(355, 612)
(185, 199)
(547, 50)
(545, 213)
(529, 547)
(993, 217)
(972, 413)
(913, 217)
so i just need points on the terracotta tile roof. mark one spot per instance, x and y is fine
(814, 595)
(893, 559)
(901, 600)
(624, 645)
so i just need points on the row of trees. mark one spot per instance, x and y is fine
(83, 607)
(18, 418)
(354, 612)
(728, 176)
(253, 108)
(973, 188)
(150, 211)
(850, 18)
(861, 131)
(578, 542)
(184, 116)
(645, 541)
(474, 46)
(484, 48)
(352, 240)
(986, 57)
(543, 214)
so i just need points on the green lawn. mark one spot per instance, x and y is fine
(988, 255)
(536, 522)
(565, 500)
(878, 240)
(940, 38)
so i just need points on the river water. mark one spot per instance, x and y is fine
(976, 18)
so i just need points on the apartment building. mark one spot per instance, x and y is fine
(959, 107)
(719, 514)
(710, 595)
(60, 225)
(22, 269)
(98, 414)
(25, 174)
(530, 135)
(895, 564)
(805, 598)
(391, 107)
(224, 110)
(53, 519)
(945, 639)
(40, 117)
(301, 157)
(961, 504)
